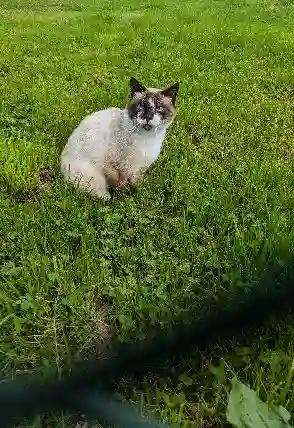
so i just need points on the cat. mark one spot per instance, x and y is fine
(115, 147)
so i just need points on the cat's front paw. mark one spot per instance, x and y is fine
(135, 179)
(105, 197)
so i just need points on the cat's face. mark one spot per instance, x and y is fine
(151, 108)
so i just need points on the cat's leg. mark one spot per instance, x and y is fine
(98, 186)
(116, 176)
(91, 180)
(112, 175)
(136, 177)
(123, 179)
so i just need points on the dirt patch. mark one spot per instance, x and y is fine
(286, 94)
(100, 329)
(4, 70)
(196, 134)
(47, 175)
(287, 148)
(25, 195)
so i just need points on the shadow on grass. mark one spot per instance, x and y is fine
(19, 195)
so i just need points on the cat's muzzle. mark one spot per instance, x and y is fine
(147, 126)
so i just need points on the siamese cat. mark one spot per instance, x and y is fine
(115, 147)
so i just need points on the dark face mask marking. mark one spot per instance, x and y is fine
(146, 106)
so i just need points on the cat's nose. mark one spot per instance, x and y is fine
(149, 115)
(147, 127)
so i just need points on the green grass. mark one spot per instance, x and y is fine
(196, 394)
(208, 220)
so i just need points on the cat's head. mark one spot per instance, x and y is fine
(151, 108)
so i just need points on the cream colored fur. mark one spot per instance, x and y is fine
(106, 148)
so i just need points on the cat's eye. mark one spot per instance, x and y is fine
(160, 109)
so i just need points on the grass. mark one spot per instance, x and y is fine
(208, 220)
(196, 394)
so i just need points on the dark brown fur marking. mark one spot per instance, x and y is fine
(151, 107)
(143, 102)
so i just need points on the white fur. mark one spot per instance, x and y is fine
(156, 121)
(106, 147)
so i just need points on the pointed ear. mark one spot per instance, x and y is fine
(171, 92)
(136, 86)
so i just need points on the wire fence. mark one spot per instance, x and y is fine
(89, 387)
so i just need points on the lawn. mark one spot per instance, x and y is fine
(213, 214)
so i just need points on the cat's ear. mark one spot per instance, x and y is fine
(136, 87)
(171, 92)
